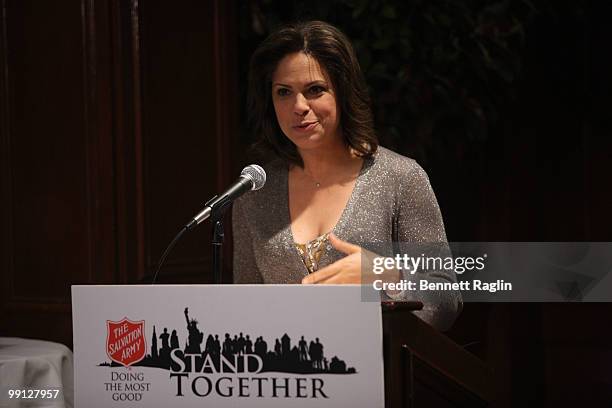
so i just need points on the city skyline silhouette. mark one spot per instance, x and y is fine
(307, 356)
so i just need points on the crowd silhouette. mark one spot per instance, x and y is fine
(305, 357)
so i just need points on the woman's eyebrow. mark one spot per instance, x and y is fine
(319, 81)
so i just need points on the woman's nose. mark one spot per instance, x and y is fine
(301, 106)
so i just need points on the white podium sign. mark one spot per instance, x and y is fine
(226, 346)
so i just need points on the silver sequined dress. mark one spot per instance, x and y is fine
(392, 201)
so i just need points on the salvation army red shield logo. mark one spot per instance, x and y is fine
(125, 341)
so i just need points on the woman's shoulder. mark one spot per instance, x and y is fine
(396, 165)
(275, 167)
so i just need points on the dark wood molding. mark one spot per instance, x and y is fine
(127, 132)
(6, 217)
(226, 108)
(428, 367)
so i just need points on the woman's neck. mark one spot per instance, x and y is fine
(321, 163)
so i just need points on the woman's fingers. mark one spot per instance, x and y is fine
(345, 270)
(322, 275)
(343, 246)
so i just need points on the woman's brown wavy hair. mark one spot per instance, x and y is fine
(334, 52)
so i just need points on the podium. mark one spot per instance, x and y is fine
(263, 346)
(424, 368)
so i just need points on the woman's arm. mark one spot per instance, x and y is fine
(418, 224)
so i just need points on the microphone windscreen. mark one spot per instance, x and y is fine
(256, 174)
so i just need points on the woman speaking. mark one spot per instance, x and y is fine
(332, 190)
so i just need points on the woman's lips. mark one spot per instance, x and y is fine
(305, 127)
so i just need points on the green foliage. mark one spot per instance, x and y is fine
(440, 71)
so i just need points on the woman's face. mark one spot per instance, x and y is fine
(305, 102)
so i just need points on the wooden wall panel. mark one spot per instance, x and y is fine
(47, 147)
(110, 130)
(57, 177)
(179, 124)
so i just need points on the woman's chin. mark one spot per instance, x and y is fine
(309, 141)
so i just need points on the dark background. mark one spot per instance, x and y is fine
(119, 119)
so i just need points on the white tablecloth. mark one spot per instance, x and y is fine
(35, 364)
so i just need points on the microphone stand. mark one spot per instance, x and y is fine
(216, 217)
(217, 243)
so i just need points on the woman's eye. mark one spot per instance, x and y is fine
(315, 90)
(282, 92)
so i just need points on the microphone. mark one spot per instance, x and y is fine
(252, 178)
